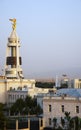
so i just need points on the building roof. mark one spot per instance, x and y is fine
(69, 92)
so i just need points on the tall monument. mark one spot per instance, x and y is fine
(13, 68)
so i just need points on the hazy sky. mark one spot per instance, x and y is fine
(50, 34)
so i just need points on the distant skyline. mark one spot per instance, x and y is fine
(50, 35)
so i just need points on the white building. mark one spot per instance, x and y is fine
(55, 106)
(13, 95)
(68, 82)
(14, 84)
(13, 74)
(76, 83)
(40, 96)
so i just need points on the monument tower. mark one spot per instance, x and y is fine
(13, 76)
(13, 64)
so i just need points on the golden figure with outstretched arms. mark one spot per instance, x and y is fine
(13, 23)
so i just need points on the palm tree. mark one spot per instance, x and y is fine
(67, 119)
(67, 115)
(76, 123)
(54, 122)
(62, 122)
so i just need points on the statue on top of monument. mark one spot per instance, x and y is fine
(13, 23)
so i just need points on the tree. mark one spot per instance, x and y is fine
(76, 123)
(28, 101)
(54, 122)
(2, 116)
(45, 84)
(28, 106)
(62, 122)
(17, 107)
(67, 115)
(31, 106)
(38, 110)
(64, 85)
(67, 119)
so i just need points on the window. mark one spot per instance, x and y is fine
(77, 109)
(49, 108)
(17, 96)
(49, 121)
(13, 97)
(62, 107)
(21, 96)
(9, 97)
(41, 122)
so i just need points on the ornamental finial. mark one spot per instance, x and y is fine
(13, 23)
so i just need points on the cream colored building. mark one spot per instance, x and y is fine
(76, 83)
(7, 84)
(13, 95)
(13, 74)
(56, 106)
(14, 84)
(40, 96)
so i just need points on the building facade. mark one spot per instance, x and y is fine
(76, 83)
(13, 95)
(13, 78)
(55, 107)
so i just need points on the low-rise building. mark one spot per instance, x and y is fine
(13, 95)
(56, 106)
(40, 96)
(76, 83)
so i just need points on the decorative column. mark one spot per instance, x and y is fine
(13, 68)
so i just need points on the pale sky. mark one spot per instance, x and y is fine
(50, 34)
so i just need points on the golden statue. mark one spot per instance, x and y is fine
(13, 23)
